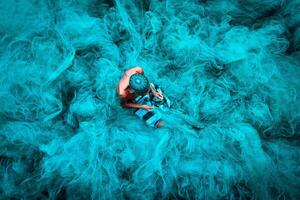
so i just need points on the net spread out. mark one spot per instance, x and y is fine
(230, 68)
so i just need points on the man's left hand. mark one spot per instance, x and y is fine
(158, 95)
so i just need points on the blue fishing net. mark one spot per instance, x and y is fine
(230, 69)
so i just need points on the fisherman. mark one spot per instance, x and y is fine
(135, 91)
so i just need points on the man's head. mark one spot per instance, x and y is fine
(139, 84)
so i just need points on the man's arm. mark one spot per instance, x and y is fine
(135, 105)
(158, 95)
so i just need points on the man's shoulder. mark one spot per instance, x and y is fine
(122, 94)
(134, 70)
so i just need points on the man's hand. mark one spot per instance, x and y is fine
(148, 108)
(158, 95)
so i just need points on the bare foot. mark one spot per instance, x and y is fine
(160, 123)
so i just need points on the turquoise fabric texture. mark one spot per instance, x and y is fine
(231, 69)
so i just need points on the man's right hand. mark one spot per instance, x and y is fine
(148, 108)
